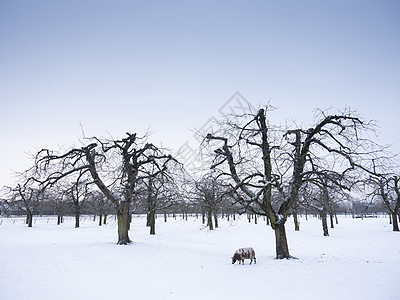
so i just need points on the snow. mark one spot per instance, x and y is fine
(359, 260)
(280, 219)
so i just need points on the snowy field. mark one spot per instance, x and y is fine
(359, 260)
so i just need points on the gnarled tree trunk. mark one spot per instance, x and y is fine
(282, 249)
(123, 218)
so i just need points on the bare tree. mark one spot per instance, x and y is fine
(115, 167)
(386, 188)
(26, 197)
(78, 193)
(257, 161)
(321, 196)
(209, 192)
(160, 193)
(101, 205)
(58, 200)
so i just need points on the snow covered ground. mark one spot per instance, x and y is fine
(359, 260)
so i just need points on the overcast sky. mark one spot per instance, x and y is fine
(169, 66)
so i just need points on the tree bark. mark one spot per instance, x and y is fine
(395, 222)
(123, 217)
(324, 223)
(77, 216)
(296, 221)
(105, 219)
(216, 220)
(282, 249)
(148, 218)
(209, 219)
(100, 219)
(331, 219)
(151, 220)
(29, 218)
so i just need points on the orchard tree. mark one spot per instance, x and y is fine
(25, 197)
(101, 205)
(114, 166)
(160, 192)
(77, 194)
(258, 158)
(386, 188)
(321, 196)
(209, 192)
(58, 201)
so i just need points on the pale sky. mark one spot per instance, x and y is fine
(169, 66)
